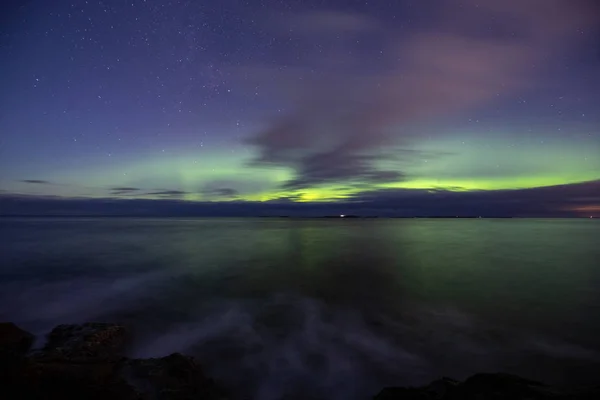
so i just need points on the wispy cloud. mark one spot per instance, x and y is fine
(330, 21)
(345, 114)
(36, 181)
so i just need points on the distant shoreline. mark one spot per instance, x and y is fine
(328, 217)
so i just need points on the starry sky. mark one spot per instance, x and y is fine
(390, 107)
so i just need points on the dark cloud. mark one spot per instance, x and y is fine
(139, 192)
(166, 193)
(37, 181)
(339, 166)
(344, 114)
(289, 199)
(120, 191)
(573, 200)
(221, 192)
(245, 184)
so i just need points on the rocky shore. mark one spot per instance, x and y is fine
(86, 362)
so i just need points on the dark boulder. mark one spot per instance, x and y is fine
(175, 377)
(90, 342)
(442, 388)
(504, 386)
(14, 345)
(401, 393)
(487, 387)
(65, 381)
(439, 389)
(14, 340)
(78, 361)
(86, 362)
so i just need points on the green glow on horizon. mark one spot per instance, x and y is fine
(469, 163)
(190, 176)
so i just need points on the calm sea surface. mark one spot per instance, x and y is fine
(321, 308)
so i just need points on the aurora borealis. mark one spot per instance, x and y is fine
(399, 103)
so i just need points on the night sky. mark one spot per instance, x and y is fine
(256, 107)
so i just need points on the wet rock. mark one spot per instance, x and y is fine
(440, 389)
(85, 362)
(400, 393)
(62, 380)
(14, 344)
(14, 340)
(504, 386)
(78, 361)
(90, 342)
(487, 387)
(175, 377)
(587, 394)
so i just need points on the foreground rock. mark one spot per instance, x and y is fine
(14, 340)
(86, 362)
(14, 344)
(91, 342)
(487, 386)
(172, 377)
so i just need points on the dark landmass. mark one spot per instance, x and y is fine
(351, 216)
(153, 216)
(344, 216)
(86, 362)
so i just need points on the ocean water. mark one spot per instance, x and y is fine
(320, 308)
